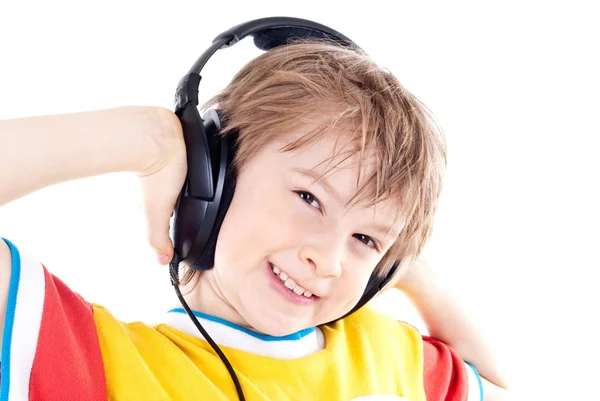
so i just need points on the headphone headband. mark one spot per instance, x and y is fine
(268, 33)
(297, 27)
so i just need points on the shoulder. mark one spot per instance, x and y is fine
(369, 333)
(368, 321)
(50, 348)
(444, 375)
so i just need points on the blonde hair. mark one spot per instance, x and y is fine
(288, 86)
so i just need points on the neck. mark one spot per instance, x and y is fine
(202, 294)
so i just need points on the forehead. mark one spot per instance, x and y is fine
(326, 146)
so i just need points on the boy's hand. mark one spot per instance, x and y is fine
(161, 183)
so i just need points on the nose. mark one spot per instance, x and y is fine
(326, 260)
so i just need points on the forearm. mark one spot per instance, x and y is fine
(36, 152)
(448, 322)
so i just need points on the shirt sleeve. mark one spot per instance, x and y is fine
(446, 376)
(50, 347)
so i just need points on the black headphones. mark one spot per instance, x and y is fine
(210, 181)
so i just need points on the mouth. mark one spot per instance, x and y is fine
(289, 287)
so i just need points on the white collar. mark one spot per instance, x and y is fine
(227, 334)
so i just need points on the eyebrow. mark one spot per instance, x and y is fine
(380, 228)
(322, 181)
(385, 230)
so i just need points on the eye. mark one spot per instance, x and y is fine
(309, 198)
(365, 239)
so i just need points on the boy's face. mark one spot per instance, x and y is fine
(282, 224)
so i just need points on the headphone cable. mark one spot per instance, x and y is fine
(174, 273)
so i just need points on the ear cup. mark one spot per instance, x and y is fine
(208, 189)
(198, 190)
(207, 257)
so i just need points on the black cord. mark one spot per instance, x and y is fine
(174, 273)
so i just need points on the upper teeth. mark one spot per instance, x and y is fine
(289, 283)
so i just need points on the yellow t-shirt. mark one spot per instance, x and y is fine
(168, 364)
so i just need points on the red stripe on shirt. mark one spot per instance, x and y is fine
(444, 372)
(68, 362)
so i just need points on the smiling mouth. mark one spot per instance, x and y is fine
(291, 284)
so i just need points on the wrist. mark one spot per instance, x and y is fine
(47, 150)
(154, 136)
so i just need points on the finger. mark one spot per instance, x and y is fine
(157, 222)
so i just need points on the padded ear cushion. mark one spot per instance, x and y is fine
(267, 39)
(207, 257)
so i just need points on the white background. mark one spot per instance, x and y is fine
(514, 87)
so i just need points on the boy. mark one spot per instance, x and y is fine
(338, 172)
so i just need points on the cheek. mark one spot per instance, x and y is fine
(257, 223)
(349, 289)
